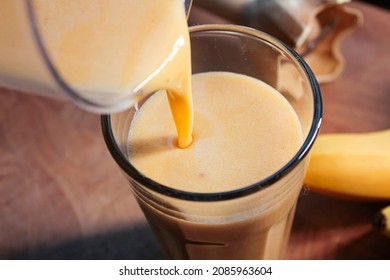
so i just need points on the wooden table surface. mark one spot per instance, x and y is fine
(63, 197)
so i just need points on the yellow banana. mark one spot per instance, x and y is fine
(382, 220)
(351, 165)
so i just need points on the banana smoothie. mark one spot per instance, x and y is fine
(243, 132)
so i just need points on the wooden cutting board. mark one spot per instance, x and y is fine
(62, 195)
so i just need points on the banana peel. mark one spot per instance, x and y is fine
(351, 165)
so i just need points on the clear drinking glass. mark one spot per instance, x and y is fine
(252, 222)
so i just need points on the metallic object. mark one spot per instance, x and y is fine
(314, 28)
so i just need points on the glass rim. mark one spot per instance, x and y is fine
(131, 171)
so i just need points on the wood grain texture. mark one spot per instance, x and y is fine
(359, 101)
(62, 195)
(57, 180)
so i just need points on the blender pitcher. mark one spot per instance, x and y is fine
(78, 50)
